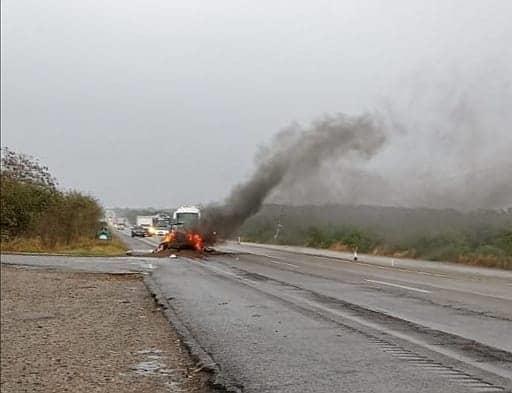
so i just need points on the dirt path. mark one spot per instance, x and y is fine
(77, 332)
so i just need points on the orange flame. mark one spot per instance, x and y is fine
(195, 240)
(171, 235)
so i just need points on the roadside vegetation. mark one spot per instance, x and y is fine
(479, 238)
(38, 217)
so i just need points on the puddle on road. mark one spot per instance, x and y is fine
(153, 366)
(152, 351)
(149, 367)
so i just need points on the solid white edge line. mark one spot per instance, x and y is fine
(399, 286)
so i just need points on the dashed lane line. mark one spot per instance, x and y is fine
(398, 286)
(282, 263)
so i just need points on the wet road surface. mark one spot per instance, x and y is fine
(277, 320)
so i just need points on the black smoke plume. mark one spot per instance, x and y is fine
(293, 153)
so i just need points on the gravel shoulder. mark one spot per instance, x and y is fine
(84, 332)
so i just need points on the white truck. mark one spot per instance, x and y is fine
(187, 216)
(144, 221)
(120, 223)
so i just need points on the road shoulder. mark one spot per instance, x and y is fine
(82, 332)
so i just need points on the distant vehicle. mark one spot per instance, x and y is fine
(161, 231)
(162, 224)
(139, 231)
(161, 220)
(120, 223)
(146, 222)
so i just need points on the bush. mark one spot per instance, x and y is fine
(357, 239)
(480, 237)
(503, 240)
(352, 238)
(317, 238)
(22, 204)
(71, 216)
(33, 207)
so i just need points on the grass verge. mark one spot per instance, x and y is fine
(487, 249)
(81, 247)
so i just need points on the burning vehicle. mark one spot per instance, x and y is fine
(184, 232)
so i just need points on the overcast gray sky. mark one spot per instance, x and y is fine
(160, 103)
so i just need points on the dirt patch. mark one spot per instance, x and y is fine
(338, 246)
(78, 332)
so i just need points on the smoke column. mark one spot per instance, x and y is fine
(296, 152)
(449, 144)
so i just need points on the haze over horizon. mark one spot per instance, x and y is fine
(166, 103)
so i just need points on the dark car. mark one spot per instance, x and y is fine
(139, 231)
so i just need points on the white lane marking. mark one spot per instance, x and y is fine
(435, 348)
(345, 260)
(143, 264)
(272, 260)
(283, 263)
(398, 286)
(393, 269)
(386, 283)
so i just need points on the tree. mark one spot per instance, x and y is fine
(25, 169)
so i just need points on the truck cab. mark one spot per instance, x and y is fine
(186, 217)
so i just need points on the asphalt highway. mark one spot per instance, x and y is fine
(276, 319)
(282, 320)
